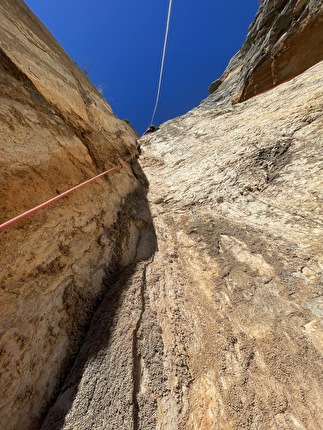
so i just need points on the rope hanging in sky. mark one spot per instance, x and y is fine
(162, 61)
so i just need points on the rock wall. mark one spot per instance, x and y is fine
(55, 132)
(285, 39)
(222, 329)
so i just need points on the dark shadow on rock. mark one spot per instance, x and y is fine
(117, 282)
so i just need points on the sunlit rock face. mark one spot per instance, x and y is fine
(223, 328)
(55, 132)
(236, 194)
(285, 39)
(210, 313)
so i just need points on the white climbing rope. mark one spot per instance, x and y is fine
(162, 61)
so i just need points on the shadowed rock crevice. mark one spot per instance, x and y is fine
(115, 360)
(137, 369)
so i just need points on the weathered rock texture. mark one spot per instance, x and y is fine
(55, 132)
(285, 39)
(222, 327)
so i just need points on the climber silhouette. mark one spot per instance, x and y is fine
(151, 129)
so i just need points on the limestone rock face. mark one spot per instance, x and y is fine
(237, 203)
(223, 328)
(216, 319)
(285, 39)
(55, 132)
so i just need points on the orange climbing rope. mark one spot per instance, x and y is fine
(65, 193)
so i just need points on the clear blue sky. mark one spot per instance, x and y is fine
(121, 41)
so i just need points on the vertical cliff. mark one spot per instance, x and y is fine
(55, 132)
(217, 324)
(223, 329)
(285, 39)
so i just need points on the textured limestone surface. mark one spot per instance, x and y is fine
(222, 329)
(206, 300)
(285, 39)
(55, 132)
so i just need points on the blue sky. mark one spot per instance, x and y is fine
(120, 41)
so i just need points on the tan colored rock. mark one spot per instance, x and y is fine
(55, 132)
(248, 273)
(223, 329)
(285, 39)
(279, 67)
